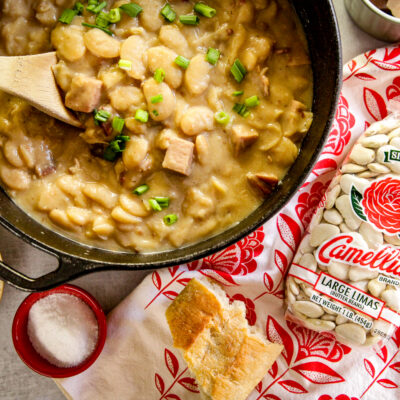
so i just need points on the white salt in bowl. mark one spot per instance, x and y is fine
(31, 357)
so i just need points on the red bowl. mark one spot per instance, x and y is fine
(29, 355)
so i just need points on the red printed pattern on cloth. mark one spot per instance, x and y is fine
(312, 366)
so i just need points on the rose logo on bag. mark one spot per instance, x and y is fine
(379, 205)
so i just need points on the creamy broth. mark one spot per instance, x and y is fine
(213, 174)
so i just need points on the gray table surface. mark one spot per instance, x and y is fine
(17, 382)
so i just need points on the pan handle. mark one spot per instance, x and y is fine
(68, 268)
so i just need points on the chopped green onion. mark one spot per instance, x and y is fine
(168, 13)
(125, 64)
(67, 16)
(222, 117)
(109, 154)
(132, 9)
(141, 115)
(212, 55)
(102, 115)
(162, 201)
(182, 62)
(116, 146)
(141, 189)
(79, 7)
(189, 19)
(241, 109)
(159, 75)
(114, 15)
(238, 70)
(238, 93)
(252, 101)
(95, 9)
(155, 112)
(118, 124)
(156, 99)
(154, 205)
(205, 10)
(93, 2)
(102, 19)
(98, 27)
(170, 219)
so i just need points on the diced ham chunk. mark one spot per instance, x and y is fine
(84, 94)
(242, 136)
(179, 156)
(264, 182)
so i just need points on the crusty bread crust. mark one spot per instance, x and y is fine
(190, 313)
(227, 358)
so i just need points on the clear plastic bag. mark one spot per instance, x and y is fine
(345, 276)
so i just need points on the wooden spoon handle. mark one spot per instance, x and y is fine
(32, 79)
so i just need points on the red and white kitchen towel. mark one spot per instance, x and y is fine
(139, 361)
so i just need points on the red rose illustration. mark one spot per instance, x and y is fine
(250, 308)
(381, 202)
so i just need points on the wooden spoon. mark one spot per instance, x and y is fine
(31, 78)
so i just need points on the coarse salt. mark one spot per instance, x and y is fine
(62, 329)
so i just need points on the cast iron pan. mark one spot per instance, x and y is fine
(76, 259)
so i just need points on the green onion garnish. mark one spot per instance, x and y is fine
(154, 205)
(118, 124)
(101, 115)
(79, 7)
(155, 112)
(132, 9)
(93, 2)
(116, 146)
(156, 99)
(241, 109)
(98, 27)
(170, 219)
(212, 55)
(205, 10)
(182, 62)
(114, 15)
(67, 16)
(141, 115)
(238, 70)
(95, 9)
(102, 19)
(189, 19)
(168, 13)
(238, 93)
(162, 201)
(141, 189)
(125, 64)
(252, 101)
(159, 75)
(222, 117)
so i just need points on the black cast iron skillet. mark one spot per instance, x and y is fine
(76, 259)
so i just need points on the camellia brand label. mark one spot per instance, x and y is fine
(350, 295)
(388, 281)
(339, 309)
(343, 248)
(392, 155)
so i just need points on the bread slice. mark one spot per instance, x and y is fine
(226, 355)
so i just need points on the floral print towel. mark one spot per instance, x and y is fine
(139, 361)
